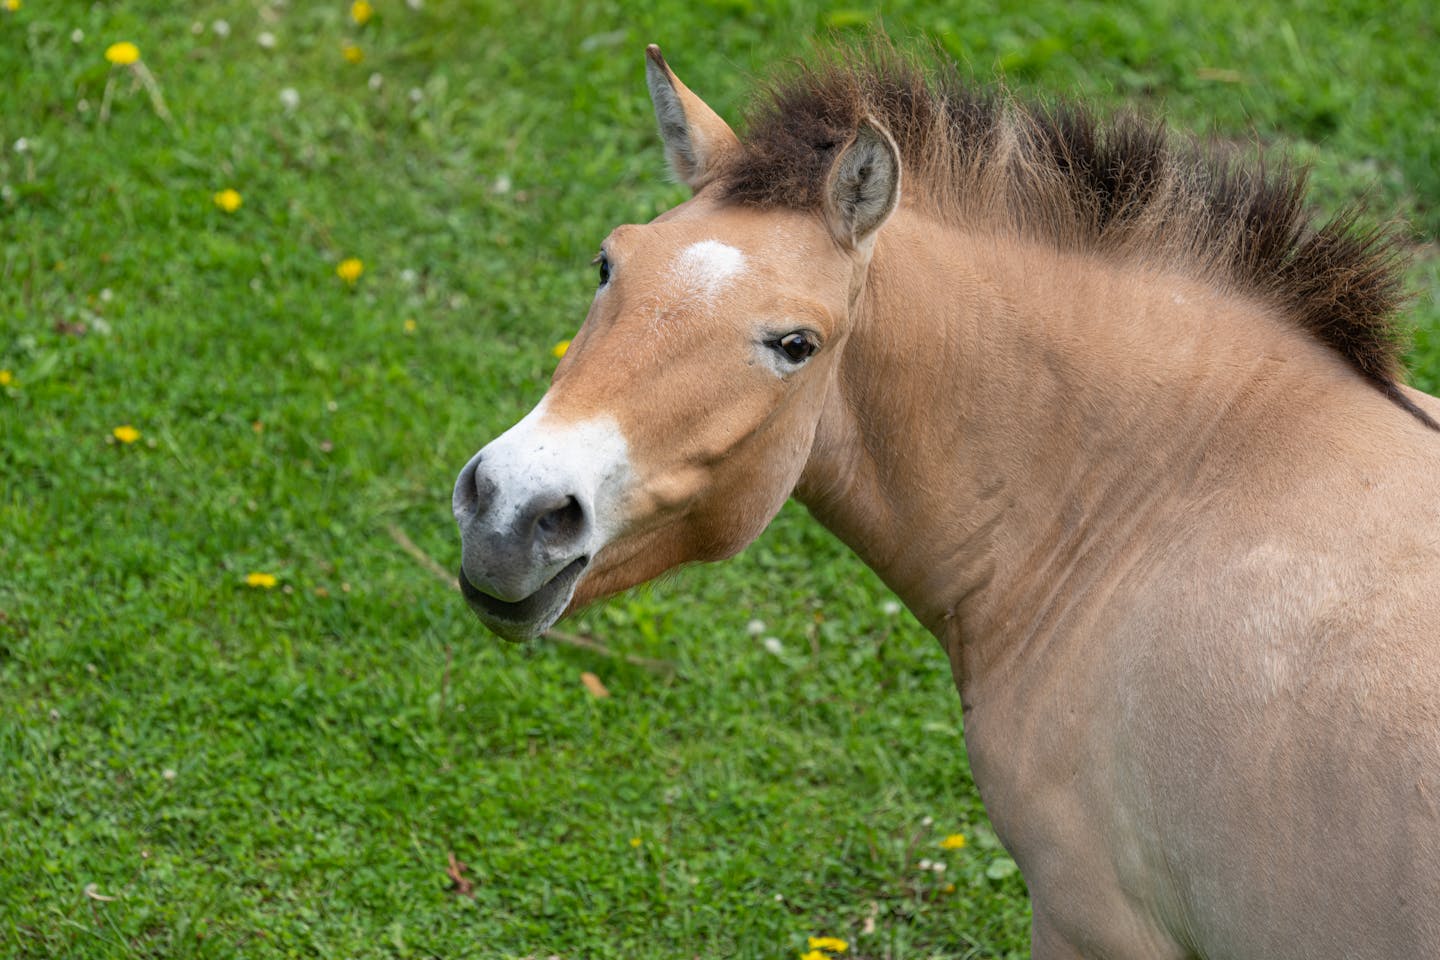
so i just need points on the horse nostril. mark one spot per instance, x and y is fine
(473, 491)
(563, 524)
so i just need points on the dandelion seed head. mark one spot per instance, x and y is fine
(755, 627)
(773, 645)
(221, 28)
(77, 35)
(375, 82)
(22, 145)
(266, 39)
(890, 607)
(289, 98)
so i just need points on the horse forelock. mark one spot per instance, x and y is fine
(982, 159)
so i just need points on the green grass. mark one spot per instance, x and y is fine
(283, 773)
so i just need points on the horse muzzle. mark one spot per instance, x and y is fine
(534, 506)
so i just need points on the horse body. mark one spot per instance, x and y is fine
(1191, 619)
(1185, 562)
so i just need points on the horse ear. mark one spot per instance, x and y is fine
(863, 188)
(696, 139)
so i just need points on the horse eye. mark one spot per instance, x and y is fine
(604, 262)
(797, 347)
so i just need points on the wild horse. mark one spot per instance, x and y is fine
(1113, 417)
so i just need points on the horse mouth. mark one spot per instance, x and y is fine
(527, 618)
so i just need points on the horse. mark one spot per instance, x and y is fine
(1116, 418)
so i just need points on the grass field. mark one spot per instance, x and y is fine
(198, 762)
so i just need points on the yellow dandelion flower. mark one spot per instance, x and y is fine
(12, 5)
(948, 888)
(956, 841)
(352, 53)
(122, 54)
(263, 581)
(833, 944)
(350, 269)
(6, 378)
(559, 349)
(228, 200)
(361, 12)
(814, 955)
(635, 841)
(410, 325)
(126, 434)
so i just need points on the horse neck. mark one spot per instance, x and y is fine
(1004, 411)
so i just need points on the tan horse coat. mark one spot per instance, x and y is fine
(1184, 560)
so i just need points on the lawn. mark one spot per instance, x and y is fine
(239, 713)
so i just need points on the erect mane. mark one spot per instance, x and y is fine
(980, 157)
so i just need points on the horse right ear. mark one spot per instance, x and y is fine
(863, 188)
(697, 141)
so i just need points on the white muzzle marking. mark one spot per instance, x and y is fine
(534, 506)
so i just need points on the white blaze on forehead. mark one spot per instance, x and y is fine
(702, 270)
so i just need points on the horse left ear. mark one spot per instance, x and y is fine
(697, 141)
(863, 188)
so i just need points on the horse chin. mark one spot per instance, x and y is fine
(525, 619)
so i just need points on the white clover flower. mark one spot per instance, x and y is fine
(77, 35)
(890, 607)
(289, 98)
(266, 39)
(773, 645)
(416, 95)
(221, 28)
(22, 145)
(376, 81)
(754, 627)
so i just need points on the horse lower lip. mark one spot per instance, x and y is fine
(524, 610)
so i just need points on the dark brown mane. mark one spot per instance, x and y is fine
(979, 156)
